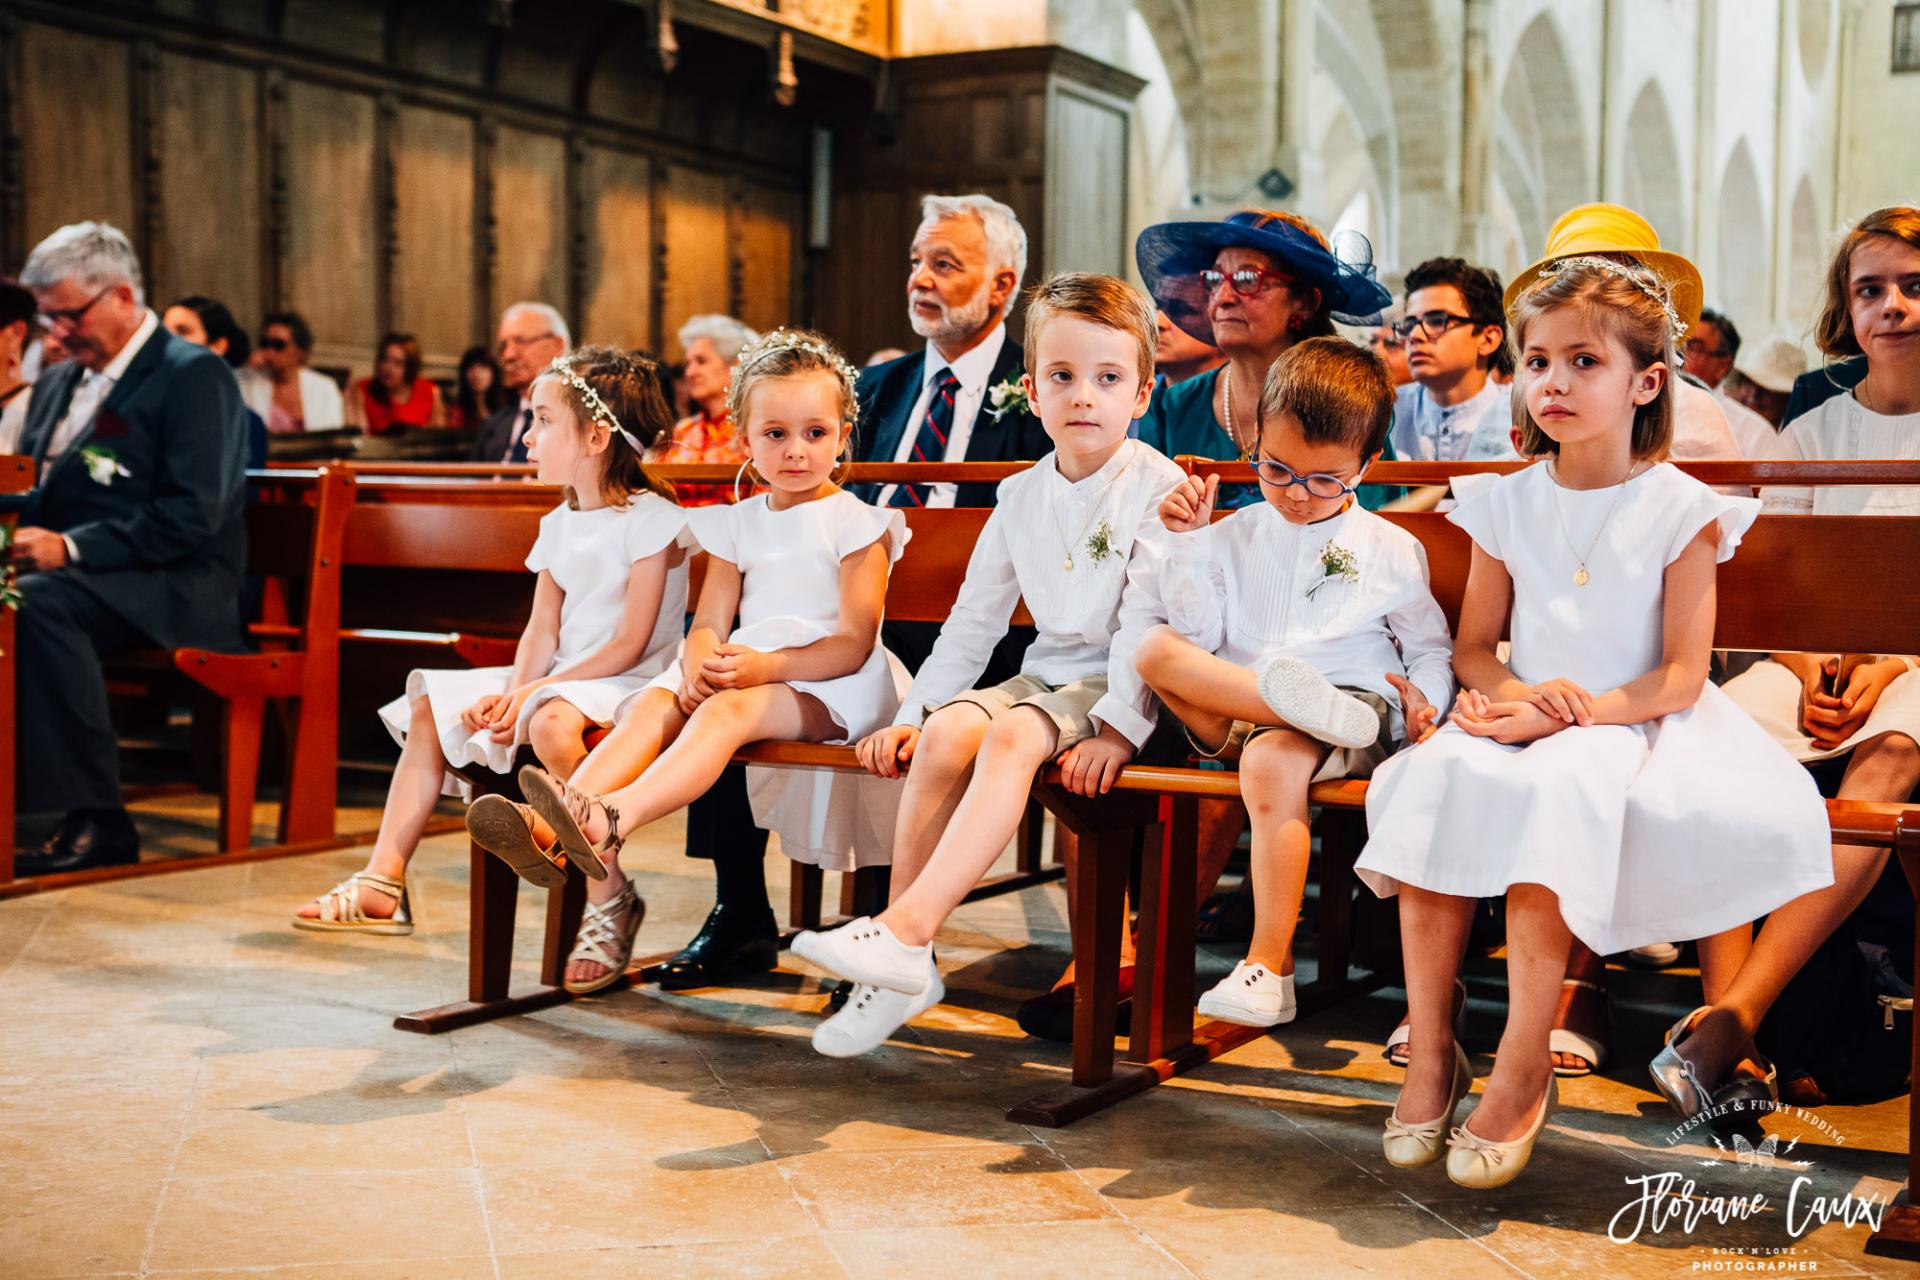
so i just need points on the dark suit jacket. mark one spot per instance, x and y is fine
(888, 393)
(163, 546)
(491, 443)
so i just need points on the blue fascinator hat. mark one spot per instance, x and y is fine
(1173, 254)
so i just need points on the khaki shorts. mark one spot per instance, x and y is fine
(1068, 706)
(1347, 762)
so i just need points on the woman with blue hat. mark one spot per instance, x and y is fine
(1252, 284)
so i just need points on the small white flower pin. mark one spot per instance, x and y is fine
(1337, 563)
(102, 466)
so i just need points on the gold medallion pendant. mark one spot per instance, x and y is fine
(1068, 564)
(1580, 576)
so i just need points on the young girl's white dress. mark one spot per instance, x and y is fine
(591, 555)
(1839, 428)
(1676, 828)
(789, 564)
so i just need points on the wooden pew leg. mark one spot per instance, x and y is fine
(805, 885)
(1163, 974)
(240, 771)
(310, 804)
(1899, 1233)
(491, 903)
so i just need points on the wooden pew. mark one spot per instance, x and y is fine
(16, 476)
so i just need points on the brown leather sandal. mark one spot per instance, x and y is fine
(565, 808)
(505, 830)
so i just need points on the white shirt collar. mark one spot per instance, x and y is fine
(117, 367)
(975, 367)
(1109, 470)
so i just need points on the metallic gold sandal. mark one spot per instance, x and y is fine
(564, 809)
(602, 942)
(340, 908)
(505, 830)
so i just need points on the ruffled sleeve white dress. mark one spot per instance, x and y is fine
(591, 555)
(789, 564)
(1675, 828)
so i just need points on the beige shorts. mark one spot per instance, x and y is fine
(1346, 762)
(1068, 706)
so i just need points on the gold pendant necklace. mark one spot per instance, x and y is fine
(1098, 505)
(1580, 575)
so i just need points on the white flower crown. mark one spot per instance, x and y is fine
(1641, 278)
(596, 407)
(776, 341)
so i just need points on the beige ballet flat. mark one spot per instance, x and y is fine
(1475, 1162)
(340, 908)
(1410, 1146)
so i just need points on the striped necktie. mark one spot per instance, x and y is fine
(930, 441)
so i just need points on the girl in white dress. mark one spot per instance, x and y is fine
(606, 618)
(1597, 780)
(804, 568)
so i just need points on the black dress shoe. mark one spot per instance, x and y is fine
(1050, 1017)
(731, 944)
(86, 839)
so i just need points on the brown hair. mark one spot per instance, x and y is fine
(1339, 394)
(786, 353)
(1320, 323)
(1102, 300)
(1624, 297)
(1833, 333)
(628, 384)
(409, 353)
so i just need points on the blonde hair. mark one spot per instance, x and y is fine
(1101, 300)
(1833, 333)
(787, 353)
(1627, 301)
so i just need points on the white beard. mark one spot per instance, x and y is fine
(954, 322)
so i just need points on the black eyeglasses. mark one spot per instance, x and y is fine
(71, 316)
(1318, 485)
(1430, 324)
(274, 344)
(1246, 281)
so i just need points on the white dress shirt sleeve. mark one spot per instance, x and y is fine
(1129, 707)
(1194, 589)
(978, 621)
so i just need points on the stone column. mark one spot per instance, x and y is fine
(1478, 111)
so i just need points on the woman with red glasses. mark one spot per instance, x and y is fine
(1252, 284)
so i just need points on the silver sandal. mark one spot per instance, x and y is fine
(1675, 1077)
(603, 942)
(340, 908)
(564, 808)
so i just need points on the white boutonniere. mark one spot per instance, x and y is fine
(1100, 543)
(1008, 397)
(1337, 563)
(101, 465)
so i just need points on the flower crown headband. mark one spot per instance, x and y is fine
(1639, 277)
(778, 341)
(596, 407)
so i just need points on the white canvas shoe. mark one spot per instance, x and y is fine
(872, 1015)
(1251, 996)
(865, 950)
(1301, 696)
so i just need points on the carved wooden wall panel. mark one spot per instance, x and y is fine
(76, 126)
(1086, 195)
(328, 275)
(766, 219)
(620, 252)
(529, 195)
(208, 131)
(698, 278)
(434, 285)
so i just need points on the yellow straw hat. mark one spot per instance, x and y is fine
(1616, 229)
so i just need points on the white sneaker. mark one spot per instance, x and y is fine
(1655, 955)
(865, 950)
(871, 1016)
(1301, 696)
(1252, 996)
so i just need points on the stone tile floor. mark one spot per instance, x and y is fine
(188, 1087)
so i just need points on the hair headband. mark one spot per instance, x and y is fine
(778, 341)
(1638, 276)
(596, 407)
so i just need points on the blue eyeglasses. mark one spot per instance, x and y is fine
(1318, 485)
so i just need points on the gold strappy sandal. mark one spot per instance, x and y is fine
(505, 830)
(340, 907)
(564, 809)
(603, 942)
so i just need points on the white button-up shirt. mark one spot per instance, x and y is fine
(96, 386)
(1424, 430)
(973, 370)
(1090, 618)
(1240, 590)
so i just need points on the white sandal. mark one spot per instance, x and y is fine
(340, 907)
(602, 942)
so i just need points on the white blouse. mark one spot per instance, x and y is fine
(1843, 428)
(1090, 618)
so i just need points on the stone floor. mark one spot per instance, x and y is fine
(190, 1087)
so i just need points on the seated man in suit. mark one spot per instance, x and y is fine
(532, 335)
(134, 535)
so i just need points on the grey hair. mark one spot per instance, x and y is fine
(1006, 238)
(727, 335)
(94, 255)
(553, 318)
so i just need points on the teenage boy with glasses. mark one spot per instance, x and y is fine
(1455, 335)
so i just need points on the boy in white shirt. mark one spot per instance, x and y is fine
(1069, 536)
(1294, 626)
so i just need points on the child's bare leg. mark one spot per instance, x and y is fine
(558, 735)
(719, 727)
(1537, 946)
(1433, 938)
(1192, 681)
(1016, 746)
(942, 768)
(1275, 770)
(652, 720)
(411, 796)
(1886, 768)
